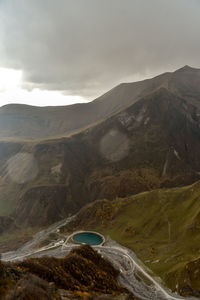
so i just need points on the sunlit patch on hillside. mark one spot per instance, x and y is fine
(22, 168)
(114, 145)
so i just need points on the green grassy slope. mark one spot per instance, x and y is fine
(161, 226)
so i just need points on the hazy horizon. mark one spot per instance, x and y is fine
(65, 99)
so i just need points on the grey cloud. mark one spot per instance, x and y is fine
(85, 47)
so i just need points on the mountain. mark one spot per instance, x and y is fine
(152, 143)
(160, 226)
(136, 147)
(41, 122)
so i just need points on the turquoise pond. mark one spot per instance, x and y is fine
(89, 238)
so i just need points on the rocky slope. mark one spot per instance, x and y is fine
(154, 142)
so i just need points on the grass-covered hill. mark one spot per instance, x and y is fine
(162, 227)
(83, 274)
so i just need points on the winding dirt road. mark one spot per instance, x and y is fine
(132, 274)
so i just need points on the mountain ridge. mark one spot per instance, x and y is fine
(144, 140)
(40, 122)
(152, 143)
(148, 145)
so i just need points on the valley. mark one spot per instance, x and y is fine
(132, 273)
(126, 165)
(160, 226)
(99, 150)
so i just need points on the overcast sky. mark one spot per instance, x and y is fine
(66, 51)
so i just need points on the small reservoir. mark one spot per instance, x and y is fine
(87, 237)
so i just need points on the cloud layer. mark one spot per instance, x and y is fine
(85, 47)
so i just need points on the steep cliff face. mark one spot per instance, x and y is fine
(154, 142)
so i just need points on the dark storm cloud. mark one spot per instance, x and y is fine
(85, 47)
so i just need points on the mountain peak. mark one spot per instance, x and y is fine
(187, 68)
